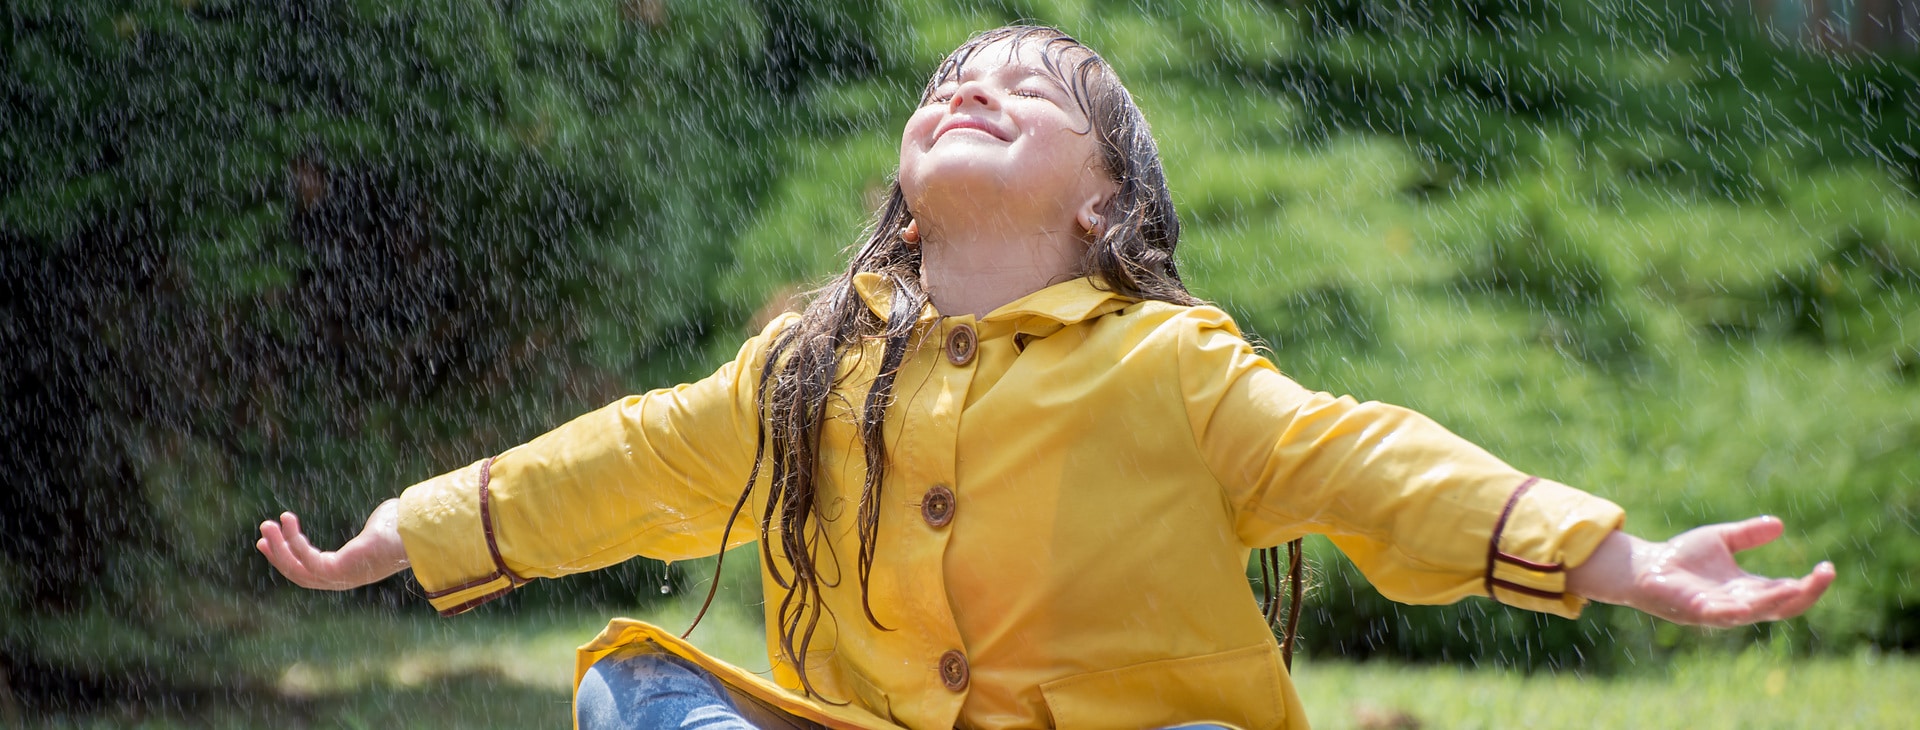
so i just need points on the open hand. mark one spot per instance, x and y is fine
(1693, 579)
(369, 557)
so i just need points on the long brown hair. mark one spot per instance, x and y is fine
(1132, 257)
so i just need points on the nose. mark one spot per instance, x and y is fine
(974, 93)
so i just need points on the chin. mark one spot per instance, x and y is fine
(959, 179)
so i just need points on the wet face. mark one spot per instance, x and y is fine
(1003, 135)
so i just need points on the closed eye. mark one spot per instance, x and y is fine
(1041, 87)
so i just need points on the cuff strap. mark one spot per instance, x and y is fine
(486, 525)
(1495, 555)
(493, 549)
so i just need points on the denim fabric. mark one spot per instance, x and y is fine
(648, 689)
(639, 689)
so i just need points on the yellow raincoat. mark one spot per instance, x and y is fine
(1077, 480)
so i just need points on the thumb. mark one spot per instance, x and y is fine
(1750, 534)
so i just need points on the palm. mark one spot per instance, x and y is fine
(1693, 579)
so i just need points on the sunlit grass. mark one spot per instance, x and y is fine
(366, 669)
(1698, 692)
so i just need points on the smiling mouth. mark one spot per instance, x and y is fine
(969, 125)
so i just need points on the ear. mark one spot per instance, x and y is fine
(911, 233)
(1089, 216)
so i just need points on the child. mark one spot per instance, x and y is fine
(1006, 472)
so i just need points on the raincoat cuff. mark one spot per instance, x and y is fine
(448, 533)
(1545, 529)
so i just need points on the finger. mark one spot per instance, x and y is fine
(318, 564)
(297, 539)
(273, 544)
(1805, 592)
(290, 526)
(1774, 600)
(1722, 614)
(1750, 534)
(272, 540)
(283, 557)
(276, 545)
(1765, 602)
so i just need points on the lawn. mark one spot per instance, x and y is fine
(1696, 692)
(365, 669)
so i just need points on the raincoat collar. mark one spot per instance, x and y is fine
(1041, 312)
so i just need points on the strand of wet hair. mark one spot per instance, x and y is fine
(798, 396)
(901, 317)
(1270, 603)
(1297, 582)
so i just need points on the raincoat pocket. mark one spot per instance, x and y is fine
(1240, 688)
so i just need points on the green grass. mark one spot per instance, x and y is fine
(360, 668)
(1696, 692)
(366, 669)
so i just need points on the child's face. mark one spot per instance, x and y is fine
(1004, 136)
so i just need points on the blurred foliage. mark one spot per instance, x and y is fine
(264, 256)
(299, 255)
(1679, 92)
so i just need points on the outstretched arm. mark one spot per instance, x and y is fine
(368, 558)
(1693, 579)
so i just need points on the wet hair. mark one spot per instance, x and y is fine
(1133, 257)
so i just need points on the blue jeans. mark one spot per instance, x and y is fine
(641, 688)
(645, 688)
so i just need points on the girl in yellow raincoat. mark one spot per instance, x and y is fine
(1005, 471)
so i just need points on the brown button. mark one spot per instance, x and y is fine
(938, 506)
(953, 670)
(961, 344)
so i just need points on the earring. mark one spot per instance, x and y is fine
(1093, 225)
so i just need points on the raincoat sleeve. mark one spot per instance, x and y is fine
(1428, 517)
(655, 475)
